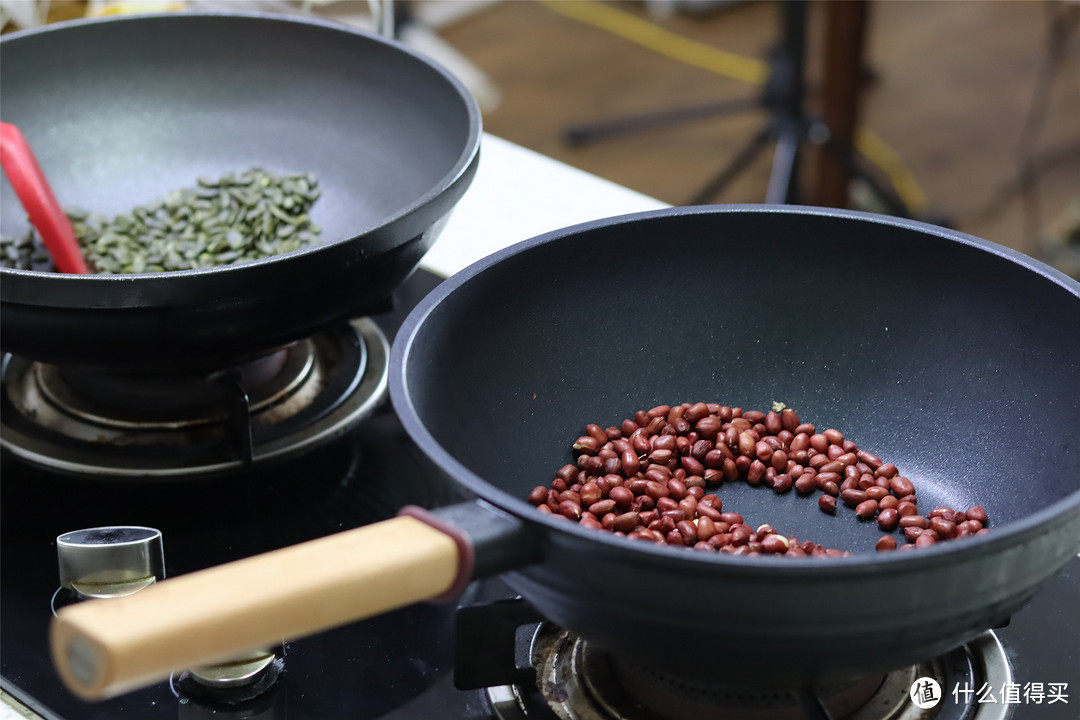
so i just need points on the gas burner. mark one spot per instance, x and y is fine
(109, 424)
(577, 682)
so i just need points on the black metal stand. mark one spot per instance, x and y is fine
(782, 97)
(787, 127)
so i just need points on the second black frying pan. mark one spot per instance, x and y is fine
(122, 111)
(953, 358)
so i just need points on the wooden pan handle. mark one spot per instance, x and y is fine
(106, 647)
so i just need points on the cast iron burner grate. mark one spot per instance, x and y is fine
(575, 682)
(182, 425)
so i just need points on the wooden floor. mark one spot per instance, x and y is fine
(953, 86)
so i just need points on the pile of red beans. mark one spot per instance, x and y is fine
(650, 479)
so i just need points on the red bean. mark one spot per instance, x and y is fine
(827, 503)
(696, 412)
(888, 502)
(789, 419)
(970, 526)
(925, 540)
(590, 493)
(708, 427)
(750, 416)
(773, 423)
(538, 496)
(941, 511)
(912, 533)
(602, 507)
(901, 486)
(806, 484)
(782, 484)
(871, 460)
(852, 498)
(977, 513)
(906, 508)
(688, 531)
(877, 493)
(914, 521)
(740, 535)
(569, 510)
(825, 477)
(692, 466)
(627, 521)
(866, 509)
(655, 489)
(885, 543)
(888, 470)
(835, 437)
(847, 459)
(945, 529)
(756, 473)
(773, 544)
(622, 496)
(708, 511)
(590, 522)
(888, 519)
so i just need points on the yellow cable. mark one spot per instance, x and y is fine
(888, 160)
(749, 70)
(665, 42)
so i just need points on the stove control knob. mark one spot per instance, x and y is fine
(109, 562)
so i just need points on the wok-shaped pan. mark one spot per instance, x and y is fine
(122, 111)
(953, 358)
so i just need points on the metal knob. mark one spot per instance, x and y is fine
(107, 562)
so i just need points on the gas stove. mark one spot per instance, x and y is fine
(485, 656)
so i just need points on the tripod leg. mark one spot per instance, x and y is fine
(582, 134)
(783, 181)
(854, 165)
(738, 163)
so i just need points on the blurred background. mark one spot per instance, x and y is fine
(962, 113)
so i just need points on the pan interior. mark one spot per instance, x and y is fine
(933, 351)
(122, 112)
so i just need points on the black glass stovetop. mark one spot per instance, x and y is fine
(399, 666)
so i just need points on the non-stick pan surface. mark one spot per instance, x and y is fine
(956, 359)
(123, 111)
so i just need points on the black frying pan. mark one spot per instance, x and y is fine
(956, 359)
(122, 111)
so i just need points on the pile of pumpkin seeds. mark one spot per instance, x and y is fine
(234, 219)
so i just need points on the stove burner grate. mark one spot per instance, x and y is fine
(574, 682)
(153, 426)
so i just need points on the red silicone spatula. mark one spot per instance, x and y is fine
(25, 176)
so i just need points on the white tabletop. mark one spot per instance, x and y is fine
(516, 194)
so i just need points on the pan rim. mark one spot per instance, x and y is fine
(860, 563)
(459, 171)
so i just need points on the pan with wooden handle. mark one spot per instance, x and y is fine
(954, 358)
